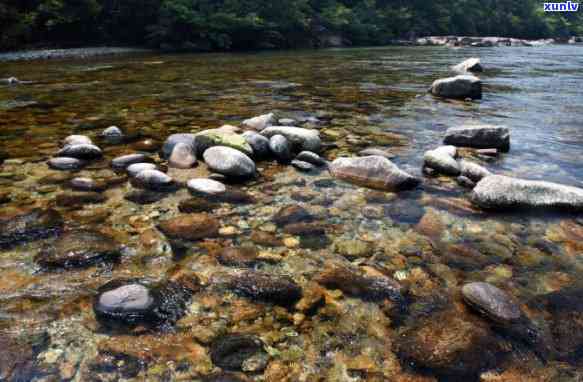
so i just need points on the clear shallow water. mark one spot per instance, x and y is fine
(431, 239)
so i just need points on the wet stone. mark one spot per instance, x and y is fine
(79, 199)
(292, 214)
(258, 143)
(144, 197)
(492, 302)
(79, 249)
(197, 205)
(281, 148)
(113, 134)
(148, 145)
(182, 156)
(353, 249)
(29, 226)
(238, 256)
(190, 227)
(305, 229)
(206, 187)
(276, 289)
(87, 184)
(302, 166)
(229, 162)
(174, 139)
(265, 239)
(81, 151)
(153, 180)
(77, 140)
(234, 351)
(66, 164)
(234, 196)
(226, 377)
(312, 158)
(134, 169)
(122, 162)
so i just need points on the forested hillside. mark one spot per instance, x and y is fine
(252, 24)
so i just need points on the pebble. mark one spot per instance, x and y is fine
(206, 187)
(134, 169)
(66, 164)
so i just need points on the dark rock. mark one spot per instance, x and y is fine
(292, 214)
(312, 158)
(302, 166)
(492, 302)
(87, 184)
(29, 226)
(373, 172)
(229, 162)
(459, 87)
(465, 182)
(5, 197)
(190, 227)
(502, 192)
(144, 197)
(81, 151)
(197, 205)
(266, 239)
(305, 229)
(259, 143)
(66, 164)
(234, 196)
(79, 249)
(238, 256)
(357, 285)
(122, 162)
(279, 290)
(480, 137)
(79, 199)
(231, 352)
(301, 139)
(280, 148)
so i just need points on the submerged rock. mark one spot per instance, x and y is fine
(124, 161)
(258, 143)
(281, 148)
(373, 172)
(79, 249)
(147, 144)
(302, 166)
(29, 226)
(196, 205)
(229, 162)
(190, 227)
(301, 139)
(172, 140)
(292, 214)
(479, 137)
(79, 199)
(312, 158)
(459, 87)
(470, 65)
(276, 289)
(144, 197)
(134, 169)
(492, 302)
(473, 171)
(87, 184)
(182, 156)
(153, 180)
(239, 352)
(66, 164)
(81, 151)
(502, 192)
(357, 285)
(238, 256)
(259, 123)
(442, 160)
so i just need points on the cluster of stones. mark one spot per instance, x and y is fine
(463, 86)
(479, 42)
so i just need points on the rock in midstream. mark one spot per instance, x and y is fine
(229, 162)
(312, 158)
(29, 226)
(374, 172)
(81, 151)
(122, 304)
(153, 180)
(66, 164)
(470, 65)
(259, 123)
(124, 161)
(190, 227)
(136, 168)
(182, 156)
(473, 171)
(239, 352)
(280, 148)
(275, 289)
(301, 139)
(479, 137)
(79, 249)
(258, 143)
(357, 285)
(442, 160)
(491, 301)
(459, 87)
(502, 192)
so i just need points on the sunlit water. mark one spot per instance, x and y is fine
(362, 98)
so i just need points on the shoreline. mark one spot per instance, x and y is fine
(69, 53)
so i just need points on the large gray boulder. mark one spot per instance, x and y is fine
(470, 65)
(479, 136)
(300, 138)
(373, 172)
(442, 160)
(503, 192)
(174, 139)
(459, 87)
(229, 162)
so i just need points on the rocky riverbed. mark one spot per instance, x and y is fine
(324, 221)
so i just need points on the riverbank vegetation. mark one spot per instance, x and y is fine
(204, 25)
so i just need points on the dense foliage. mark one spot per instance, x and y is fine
(252, 24)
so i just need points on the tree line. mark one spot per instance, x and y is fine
(205, 25)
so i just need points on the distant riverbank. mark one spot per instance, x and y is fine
(77, 53)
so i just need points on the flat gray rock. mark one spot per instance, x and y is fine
(312, 158)
(442, 160)
(229, 162)
(473, 171)
(300, 138)
(207, 187)
(459, 87)
(479, 137)
(503, 192)
(374, 172)
(491, 301)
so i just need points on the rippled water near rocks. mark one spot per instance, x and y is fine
(294, 276)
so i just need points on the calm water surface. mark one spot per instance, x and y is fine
(432, 240)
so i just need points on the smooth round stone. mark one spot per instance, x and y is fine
(312, 158)
(491, 301)
(126, 303)
(29, 226)
(81, 151)
(153, 180)
(66, 164)
(127, 297)
(77, 140)
(136, 168)
(124, 161)
(174, 139)
(206, 187)
(112, 134)
(302, 166)
(233, 351)
(229, 162)
(182, 156)
(86, 184)
(280, 147)
(258, 143)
